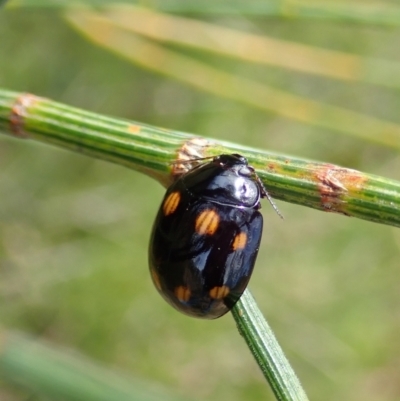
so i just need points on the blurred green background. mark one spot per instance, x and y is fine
(74, 231)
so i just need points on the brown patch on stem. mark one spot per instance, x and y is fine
(19, 112)
(134, 129)
(191, 150)
(333, 183)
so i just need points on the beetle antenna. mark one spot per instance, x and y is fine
(188, 161)
(267, 195)
(273, 205)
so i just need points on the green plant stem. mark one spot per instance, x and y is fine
(266, 350)
(152, 150)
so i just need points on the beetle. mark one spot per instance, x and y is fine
(206, 236)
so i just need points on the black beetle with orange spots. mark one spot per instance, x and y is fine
(206, 236)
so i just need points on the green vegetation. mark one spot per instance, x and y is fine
(74, 230)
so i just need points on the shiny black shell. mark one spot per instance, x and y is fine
(206, 236)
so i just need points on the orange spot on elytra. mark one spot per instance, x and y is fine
(219, 292)
(207, 222)
(240, 241)
(171, 203)
(182, 293)
(156, 279)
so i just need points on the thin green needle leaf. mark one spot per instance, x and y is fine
(252, 93)
(255, 48)
(61, 374)
(378, 13)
